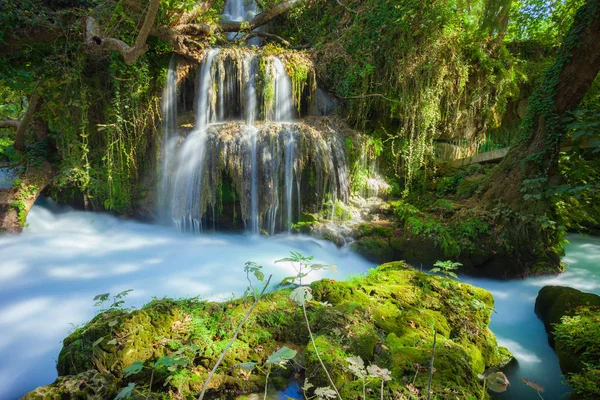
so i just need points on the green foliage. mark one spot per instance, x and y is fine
(446, 268)
(420, 68)
(117, 300)
(303, 266)
(281, 356)
(580, 334)
(126, 392)
(540, 21)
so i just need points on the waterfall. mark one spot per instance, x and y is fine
(254, 223)
(242, 159)
(283, 107)
(187, 199)
(238, 11)
(289, 178)
(169, 129)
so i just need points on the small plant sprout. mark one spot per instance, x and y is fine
(320, 393)
(356, 365)
(234, 337)
(171, 363)
(446, 268)
(382, 373)
(301, 295)
(535, 386)
(303, 266)
(279, 358)
(254, 269)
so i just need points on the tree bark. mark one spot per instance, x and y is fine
(10, 123)
(19, 144)
(97, 43)
(534, 160)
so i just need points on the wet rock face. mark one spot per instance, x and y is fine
(387, 318)
(266, 174)
(572, 320)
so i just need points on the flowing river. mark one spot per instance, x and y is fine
(50, 274)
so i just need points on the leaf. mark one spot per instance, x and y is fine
(497, 382)
(97, 342)
(356, 361)
(247, 366)
(533, 384)
(112, 342)
(168, 361)
(259, 275)
(133, 369)
(124, 293)
(281, 356)
(307, 385)
(301, 295)
(325, 393)
(317, 267)
(113, 322)
(357, 367)
(101, 297)
(378, 372)
(125, 393)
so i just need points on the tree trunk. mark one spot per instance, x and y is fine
(523, 178)
(19, 144)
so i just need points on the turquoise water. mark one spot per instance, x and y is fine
(518, 328)
(50, 274)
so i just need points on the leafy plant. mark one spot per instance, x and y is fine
(446, 268)
(302, 294)
(171, 363)
(303, 266)
(356, 365)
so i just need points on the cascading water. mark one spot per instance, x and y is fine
(238, 163)
(169, 130)
(187, 188)
(238, 11)
(283, 108)
(289, 177)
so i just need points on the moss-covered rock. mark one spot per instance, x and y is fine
(91, 384)
(572, 320)
(386, 317)
(555, 302)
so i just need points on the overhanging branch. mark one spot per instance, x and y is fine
(234, 26)
(95, 42)
(10, 123)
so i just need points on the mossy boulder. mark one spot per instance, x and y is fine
(555, 302)
(572, 320)
(386, 317)
(91, 384)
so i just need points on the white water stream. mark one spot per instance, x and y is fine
(50, 274)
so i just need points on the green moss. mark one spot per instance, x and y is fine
(572, 319)
(386, 317)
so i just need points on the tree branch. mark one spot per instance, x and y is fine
(10, 123)
(97, 43)
(364, 96)
(19, 144)
(268, 36)
(234, 26)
